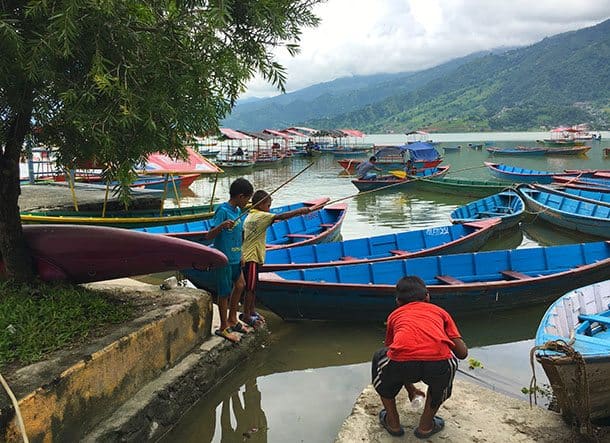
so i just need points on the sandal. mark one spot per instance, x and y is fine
(253, 322)
(438, 425)
(226, 334)
(242, 329)
(382, 416)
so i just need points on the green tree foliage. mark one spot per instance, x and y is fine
(116, 80)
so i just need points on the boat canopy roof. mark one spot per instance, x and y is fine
(195, 163)
(259, 135)
(278, 133)
(419, 151)
(352, 133)
(233, 134)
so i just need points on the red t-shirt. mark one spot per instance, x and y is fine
(420, 331)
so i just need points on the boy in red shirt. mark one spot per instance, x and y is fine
(422, 343)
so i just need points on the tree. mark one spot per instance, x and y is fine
(116, 80)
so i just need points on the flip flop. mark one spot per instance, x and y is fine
(226, 334)
(238, 327)
(439, 424)
(382, 416)
(253, 322)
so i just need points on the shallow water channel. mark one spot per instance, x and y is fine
(304, 382)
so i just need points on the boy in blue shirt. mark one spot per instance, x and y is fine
(227, 233)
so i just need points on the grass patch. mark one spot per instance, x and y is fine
(38, 319)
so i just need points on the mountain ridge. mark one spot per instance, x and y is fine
(558, 80)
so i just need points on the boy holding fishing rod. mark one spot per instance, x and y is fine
(227, 233)
(422, 343)
(255, 229)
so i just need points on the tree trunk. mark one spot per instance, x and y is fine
(15, 253)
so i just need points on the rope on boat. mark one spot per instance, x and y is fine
(580, 403)
(15, 403)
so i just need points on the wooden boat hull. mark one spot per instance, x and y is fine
(126, 220)
(507, 205)
(561, 375)
(479, 282)
(394, 183)
(564, 321)
(82, 254)
(350, 164)
(515, 174)
(599, 198)
(568, 213)
(524, 151)
(315, 220)
(451, 239)
(457, 186)
(197, 230)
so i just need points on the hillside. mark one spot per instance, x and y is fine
(332, 99)
(561, 80)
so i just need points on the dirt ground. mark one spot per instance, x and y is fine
(472, 414)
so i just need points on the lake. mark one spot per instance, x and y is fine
(304, 382)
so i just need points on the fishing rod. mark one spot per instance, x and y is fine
(399, 182)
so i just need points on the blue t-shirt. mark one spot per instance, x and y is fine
(229, 241)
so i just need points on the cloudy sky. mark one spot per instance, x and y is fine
(361, 37)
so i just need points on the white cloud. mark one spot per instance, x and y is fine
(361, 37)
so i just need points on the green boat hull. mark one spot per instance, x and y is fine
(457, 186)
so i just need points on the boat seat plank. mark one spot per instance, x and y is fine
(449, 280)
(492, 214)
(326, 225)
(299, 236)
(513, 275)
(595, 318)
(398, 252)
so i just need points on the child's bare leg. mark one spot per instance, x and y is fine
(413, 391)
(426, 423)
(238, 288)
(222, 313)
(392, 419)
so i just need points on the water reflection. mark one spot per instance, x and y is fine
(304, 383)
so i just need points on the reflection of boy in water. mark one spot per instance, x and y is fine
(250, 419)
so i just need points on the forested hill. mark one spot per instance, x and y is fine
(561, 80)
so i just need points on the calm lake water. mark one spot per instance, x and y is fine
(303, 384)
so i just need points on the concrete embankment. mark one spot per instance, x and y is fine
(134, 381)
(472, 414)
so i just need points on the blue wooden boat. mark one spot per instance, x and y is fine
(460, 283)
(319, 226)
(452, 148)
(601, 198)
(567, 212)
(578, 322)
(594, 183)
(450, 239)
(521, 175)
(395, 183)
(507, 205)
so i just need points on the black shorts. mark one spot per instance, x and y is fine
(251, 275)
(390, 376)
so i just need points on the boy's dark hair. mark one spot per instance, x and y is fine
(373, 159)
(411, 288)
(240, 186)
(259, 197)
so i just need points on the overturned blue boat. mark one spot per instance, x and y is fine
(450, 239)
(507, 205)
(460, 283)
